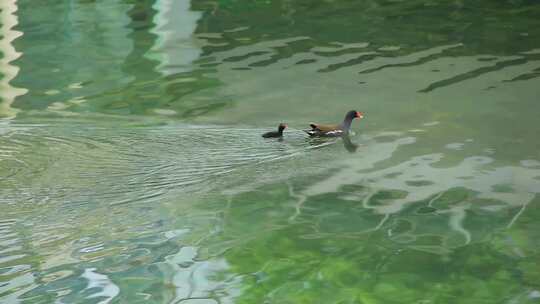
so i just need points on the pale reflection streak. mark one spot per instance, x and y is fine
(192, 278)
(8, 93)
(175, 47)
(475, 173)
(109, 290)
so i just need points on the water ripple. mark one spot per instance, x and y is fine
(86, 165)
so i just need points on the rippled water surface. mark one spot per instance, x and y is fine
(132, 169)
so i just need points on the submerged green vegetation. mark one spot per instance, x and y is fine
(331, 256)
(132, 169)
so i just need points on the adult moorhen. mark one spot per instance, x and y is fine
(278, 133)
(343, 128)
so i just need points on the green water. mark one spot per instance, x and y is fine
(132, 168)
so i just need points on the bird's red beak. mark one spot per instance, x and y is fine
(359, 114)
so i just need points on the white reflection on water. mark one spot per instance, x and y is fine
(175, 47)
(8, 71)
(193, 279)
(490, 188)
(107, 288)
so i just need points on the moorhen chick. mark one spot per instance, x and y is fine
(278, 133)
(343, 128)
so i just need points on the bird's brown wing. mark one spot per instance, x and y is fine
(325, 128)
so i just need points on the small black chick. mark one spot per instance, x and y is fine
(278, 133)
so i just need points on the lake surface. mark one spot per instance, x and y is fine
(132, 168)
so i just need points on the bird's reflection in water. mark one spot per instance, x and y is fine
(319, 142)
(348, 144)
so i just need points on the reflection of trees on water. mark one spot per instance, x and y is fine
(413, 25)
(69, 58)
(112, 57)
(115, 57)
(390, 30)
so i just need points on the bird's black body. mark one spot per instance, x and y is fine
(320, 130)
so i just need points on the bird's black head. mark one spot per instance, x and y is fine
(354, 114)
(282, 126)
